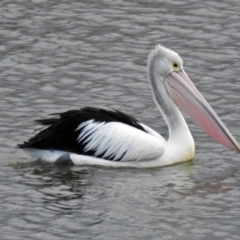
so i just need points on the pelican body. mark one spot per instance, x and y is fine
(94, 136)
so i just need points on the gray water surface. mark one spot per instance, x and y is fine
(60, 55)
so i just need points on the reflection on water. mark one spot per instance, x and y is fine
(58, 55)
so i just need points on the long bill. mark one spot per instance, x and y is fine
(186, 96)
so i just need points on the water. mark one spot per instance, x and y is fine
(59, 55)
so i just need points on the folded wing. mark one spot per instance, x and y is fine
(110, 135)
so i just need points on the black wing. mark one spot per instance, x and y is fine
(62, 131)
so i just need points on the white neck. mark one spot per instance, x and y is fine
(180, 145)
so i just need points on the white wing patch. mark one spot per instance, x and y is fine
(120, 141)
(152, 132)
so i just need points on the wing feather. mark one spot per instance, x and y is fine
(120, 142)
(105, 134)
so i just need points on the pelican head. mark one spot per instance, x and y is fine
(164, 61)
(170, 83)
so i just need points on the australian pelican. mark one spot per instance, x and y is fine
(93, 136)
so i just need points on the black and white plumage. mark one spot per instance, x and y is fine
(93, 136)
(90, 132)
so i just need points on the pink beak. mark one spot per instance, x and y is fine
(186, 96)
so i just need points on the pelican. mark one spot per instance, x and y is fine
(94, 136)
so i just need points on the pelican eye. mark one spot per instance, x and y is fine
(175, 66)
